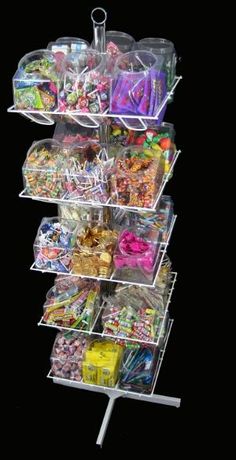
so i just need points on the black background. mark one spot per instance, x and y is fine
(70, 418)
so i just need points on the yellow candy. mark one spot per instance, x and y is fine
(116, 132)
(156, 147)
(148, 153)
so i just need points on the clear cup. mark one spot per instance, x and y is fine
(164, 48)
(123, 41)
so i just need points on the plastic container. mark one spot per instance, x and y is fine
(72, 133)
(36, 83)
(123, 41)
(101, 363)
(137, 178)
(54, 243)
(164, 48)
(74, 306)
(68, 45)
(137, 369)
(133, 312)
(86, 173)
(42, 169)
(139, 84)
(67, 355)
(93, 253)
(85, 87)
(85, 213)
(135, 255)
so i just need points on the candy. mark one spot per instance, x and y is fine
(74, 306)
(37, 82)
(93, 254)
(101, 363)
(137, 370)
(86, 88)
(67, 354)
(53, 244)
(133, 168)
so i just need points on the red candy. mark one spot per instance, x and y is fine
(165, 143)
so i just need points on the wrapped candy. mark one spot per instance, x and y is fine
(53, 244)
(36, 82)
(101, 363)
(93, 253)
(74, 305)
(137, 369)
(67, 355)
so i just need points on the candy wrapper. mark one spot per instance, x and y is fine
(53, 244)
(137, 369)
(67, 355)
(93, 253)
(101, 363)
(36, 83)
(72, 305)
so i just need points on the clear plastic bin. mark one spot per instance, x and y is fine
(137, 178)
(135, 255)
(122, 40)
(42, 169)
(139, 84)
(54, 243)
(86, 173)
(86, 213)
(133, 312)
(68, 45)
(71, 133)
(85, 87)
(137, 369)
(93, 253)
(36, 83)
(73, 306)
(67, 355)
(164, 48)
(101, 363)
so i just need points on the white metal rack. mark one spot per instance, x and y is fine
(137, 123)
(108, 203)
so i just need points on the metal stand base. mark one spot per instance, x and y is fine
(158, 399)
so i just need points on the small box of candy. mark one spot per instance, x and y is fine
(134, 312)
(137, 177)
(36, 82)
(85, 86)
(138, 368)
(135, 255)
(94, 249)
(42, 169)
(139, 84)
(54, 243)
(101, 363)
(67, 355)
(72, 302)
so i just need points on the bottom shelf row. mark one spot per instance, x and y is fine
(104, 364)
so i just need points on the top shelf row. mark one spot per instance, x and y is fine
(72, 80)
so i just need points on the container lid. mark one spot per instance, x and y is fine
(83, 62)
(160, 45)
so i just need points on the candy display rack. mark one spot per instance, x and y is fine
(135, 122)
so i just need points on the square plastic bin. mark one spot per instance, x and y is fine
(136, 255)
(74, 304)
(42, 169)
(137, 178)
(85, 87)
(36, 83)
(138, 369)
(139, 85)
(67, 355)
(93, 254)
(54, 244)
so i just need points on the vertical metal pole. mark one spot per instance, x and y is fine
(105, 421)
(99, 17)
